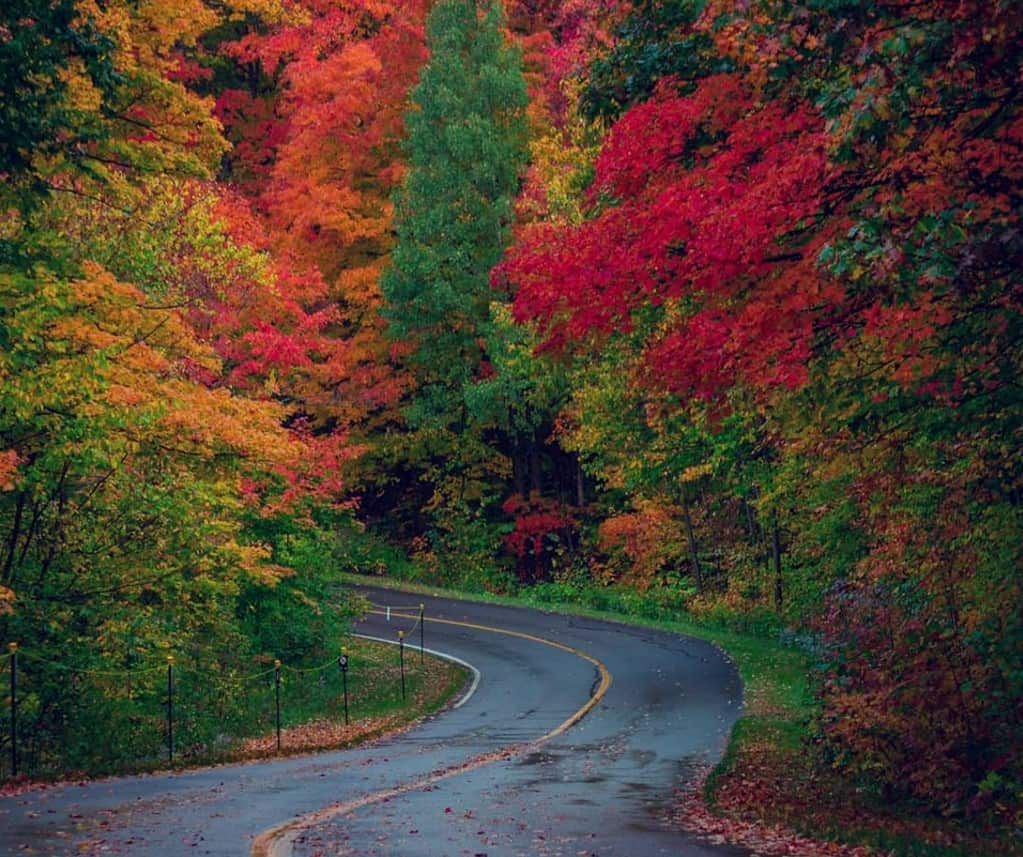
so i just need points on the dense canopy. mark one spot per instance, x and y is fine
(715, 302)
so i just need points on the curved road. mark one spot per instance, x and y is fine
(492, 777)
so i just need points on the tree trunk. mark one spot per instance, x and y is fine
(776, 557)
(694, 554)
(519, 468)
(535, 477)
(58, 526)
(31, 533)
(751, 524)
(12, 542)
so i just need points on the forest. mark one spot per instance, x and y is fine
(702, 307)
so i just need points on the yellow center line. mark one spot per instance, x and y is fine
(277, 840)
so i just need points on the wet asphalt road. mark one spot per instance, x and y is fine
(599, 789)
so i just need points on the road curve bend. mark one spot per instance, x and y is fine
(573, 742)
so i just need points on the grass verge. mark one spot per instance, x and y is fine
(313, 718)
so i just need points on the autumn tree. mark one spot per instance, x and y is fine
(43, 49)
(798, 242)
(157, 363)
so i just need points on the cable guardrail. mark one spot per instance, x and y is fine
(310, 670)
(401, 611)
(103, 673)
(398, 611)
(186, 686)
(420, 620)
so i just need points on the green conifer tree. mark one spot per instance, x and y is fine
(466, 146)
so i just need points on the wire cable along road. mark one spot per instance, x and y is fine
(548, 755)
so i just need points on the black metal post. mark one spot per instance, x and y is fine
(277, 700)
(170, 708)
(422, 648)
(343, 663)
(13, 648)
(401, 658)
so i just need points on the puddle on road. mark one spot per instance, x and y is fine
(638, 787)
(539, 758)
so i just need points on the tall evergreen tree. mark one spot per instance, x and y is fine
(466, 147)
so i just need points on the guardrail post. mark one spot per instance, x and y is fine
(401, 659)
(170, 708)
(13, 649)
(342, 662)
(277, 700)
(422, 647)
